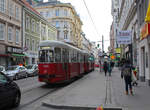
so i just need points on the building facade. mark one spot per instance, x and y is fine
(10, 32)
(64, 17)
(35, 29)
(144, 40)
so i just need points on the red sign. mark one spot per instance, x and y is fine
(145, 31)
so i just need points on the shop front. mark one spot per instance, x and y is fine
(16, 56)
(32, 57)
(3, 55)
(144, 56)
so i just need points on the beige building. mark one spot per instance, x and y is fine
(64, 17)
(35, 28)
(10, 32)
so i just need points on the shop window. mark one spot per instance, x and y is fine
(146, 60)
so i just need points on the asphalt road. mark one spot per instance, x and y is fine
(33, 92)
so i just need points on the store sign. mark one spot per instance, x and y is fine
(31, 54)
(118, 50)
(124, 37)
(145, 31)
(14, 50)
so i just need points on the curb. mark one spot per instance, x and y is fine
(76, 107)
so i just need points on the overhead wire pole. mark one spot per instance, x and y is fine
(102, 43)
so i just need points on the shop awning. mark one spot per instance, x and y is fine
(4, 55)
(18, 55)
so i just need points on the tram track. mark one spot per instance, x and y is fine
(28, 103)
(38, 98)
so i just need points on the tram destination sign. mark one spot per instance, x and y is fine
(124, 37)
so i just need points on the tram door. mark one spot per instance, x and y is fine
(65, 58)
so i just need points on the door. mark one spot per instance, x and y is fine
(143, 63)
(6, 93)
(65, 54)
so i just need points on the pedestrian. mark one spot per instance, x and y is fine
(105, 67)
(126, 73)
(109, 68)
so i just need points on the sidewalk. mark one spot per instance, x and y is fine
(139, 101)
(95, 90)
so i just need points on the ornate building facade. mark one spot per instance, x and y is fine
(64, 17)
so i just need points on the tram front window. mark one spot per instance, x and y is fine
(46, 56)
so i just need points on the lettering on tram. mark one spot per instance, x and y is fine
(60, 62)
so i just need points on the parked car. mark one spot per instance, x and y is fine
(32, 70)
(16, 72)
(10, 94)
(2, 69)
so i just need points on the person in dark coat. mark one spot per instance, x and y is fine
(126, 74)
(105, 67)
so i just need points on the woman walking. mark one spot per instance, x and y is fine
(105, 68)
(127, 75)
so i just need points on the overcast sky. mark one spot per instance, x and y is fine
(101, 13)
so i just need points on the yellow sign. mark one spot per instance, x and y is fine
(118, 50)
(147, 18)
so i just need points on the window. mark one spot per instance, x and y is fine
(57, 55)
(17, 35)
(46, 56)
(58, 34)
(2, 5)
(48, 14)
(17, 13)
(33, 45)
(65, 24)
(11, 8)
(33, 27)
(41, 13)
(28, 43)
(10, 34)
(37, 27)
(49, 34)
(27, 22)
(65, 12)
(57, 24)
(3, 79)
(57, 12)
(2, 31)
(43, 31)
(65, 35)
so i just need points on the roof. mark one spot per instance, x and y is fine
(50, 3)
(29, 6)
(60, 44)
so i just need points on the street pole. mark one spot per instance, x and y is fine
(102, 43)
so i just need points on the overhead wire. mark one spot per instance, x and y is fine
(91, 17)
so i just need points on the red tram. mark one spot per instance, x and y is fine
(60, 62)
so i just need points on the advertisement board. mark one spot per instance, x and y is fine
(124, 37)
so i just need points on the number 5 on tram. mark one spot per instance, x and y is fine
(59, 62)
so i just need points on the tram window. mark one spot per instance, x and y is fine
(78, 56)
(65, 56)
(57, 54)
(46, 56)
